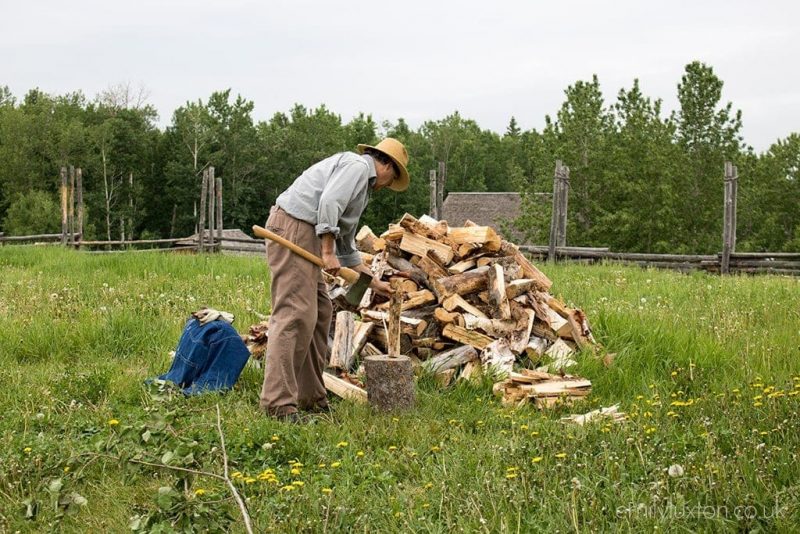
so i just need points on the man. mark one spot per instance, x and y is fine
(320, 213)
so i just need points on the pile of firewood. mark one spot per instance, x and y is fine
(471, 302)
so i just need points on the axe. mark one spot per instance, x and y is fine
(359, 282)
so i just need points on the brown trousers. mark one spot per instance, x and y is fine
(297, 351)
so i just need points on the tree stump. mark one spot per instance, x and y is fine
(390, 382)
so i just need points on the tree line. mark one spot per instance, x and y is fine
(641, 180)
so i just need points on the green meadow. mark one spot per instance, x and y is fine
(707, 369)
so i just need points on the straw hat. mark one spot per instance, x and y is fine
(398, 153)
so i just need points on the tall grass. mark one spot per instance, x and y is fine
(708, 369)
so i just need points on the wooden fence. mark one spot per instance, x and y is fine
(211, 237)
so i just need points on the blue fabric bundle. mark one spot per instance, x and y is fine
(209, 357)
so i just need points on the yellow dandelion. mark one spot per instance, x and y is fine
(113, 422)
(511, 475)
(429, 485)
(392, 448)
(534, 434)
(398, 514)
(436, 448)
(426, 505)
(523, 427)
(288, 488)
(27, 450)
(249, 480)
(199, 492)
(360, 454)
(321, 466)
(758, 404)
(295, 471)
(341, 444)
(236, 474)
(66, 469)
(536, 459)
(276, 438)
(674, 373)
(327, 491)
(298, 483)
(336, 464)
(561, 455)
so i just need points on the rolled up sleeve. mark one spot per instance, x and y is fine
(346, 250)
(341, 187)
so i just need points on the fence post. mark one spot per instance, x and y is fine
(434, 193)
(562, 222)
(729, 217)
(212, 210)
(440, 184)
(79, 185)
(63, 205)
(201, 227)
(558, 219)
(71, 205)
(220, 226)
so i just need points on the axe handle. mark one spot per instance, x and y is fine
(348, 274)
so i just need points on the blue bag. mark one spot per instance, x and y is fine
(209, 357)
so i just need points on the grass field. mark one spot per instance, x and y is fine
(708, 369)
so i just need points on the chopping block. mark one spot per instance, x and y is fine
(390, 382)
(390, 377)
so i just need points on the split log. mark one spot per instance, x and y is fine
(451, 359)
(343, 388)
(457, 301)
(342, 354)
(368, 242)
(518, 287)
(412, 300)
(497, 355)
(471, 370)
(419, 245)
(415, 273)
(480, 235)
(463, 265)
(409, 325)
(432, 270)
(492, 327)
(466, 337)
(497, 291)
(393, 328)
(393, 234)
(520, 339)
(362, 331)
(444, 316)
(445, 378)
(370, 349)
(528, 270)
(437, 231)
(543, 330)
(462, 284)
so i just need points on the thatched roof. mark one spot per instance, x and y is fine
(485, 209)
(252, 246)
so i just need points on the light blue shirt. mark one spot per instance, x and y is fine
(332, 195)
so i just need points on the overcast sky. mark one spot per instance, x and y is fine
(488, 59)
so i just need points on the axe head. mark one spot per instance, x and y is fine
(357, 289)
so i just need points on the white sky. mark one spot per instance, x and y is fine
(488, 59)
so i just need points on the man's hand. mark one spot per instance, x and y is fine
(381, 288)
(330, 263)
